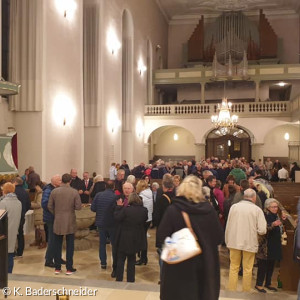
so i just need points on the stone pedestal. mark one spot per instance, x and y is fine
(84, 219)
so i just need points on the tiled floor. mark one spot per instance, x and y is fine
(29, 271)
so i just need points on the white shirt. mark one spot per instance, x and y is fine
(283, 174)
(147, 202)
(112, 173)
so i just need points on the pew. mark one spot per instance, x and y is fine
(288, 194)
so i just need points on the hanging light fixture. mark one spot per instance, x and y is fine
(224, 121)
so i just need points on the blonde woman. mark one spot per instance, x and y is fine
(200, 275)
(144, 191)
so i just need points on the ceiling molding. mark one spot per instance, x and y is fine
(164, 13)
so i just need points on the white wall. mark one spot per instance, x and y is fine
(148, 23)
(63, 76)
(274, 142)
(166, 145)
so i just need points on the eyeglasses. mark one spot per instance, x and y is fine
(273, 206)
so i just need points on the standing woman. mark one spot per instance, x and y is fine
(98, 186)
(36, 205)
(144, 191)
(130, 236)
(198, 277)
(13, 206)
(269, 250)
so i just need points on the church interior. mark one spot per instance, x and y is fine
(85, 83)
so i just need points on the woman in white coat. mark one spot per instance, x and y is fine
(144, 191)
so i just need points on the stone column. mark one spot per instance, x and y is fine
(199, 151)
(257, 151)
(146, 152)
(202, 100)
(257, 86)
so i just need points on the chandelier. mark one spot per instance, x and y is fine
(224, 121)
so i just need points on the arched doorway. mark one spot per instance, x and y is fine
(171, 143)
(235, 144)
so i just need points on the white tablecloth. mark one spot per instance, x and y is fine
(29, 222)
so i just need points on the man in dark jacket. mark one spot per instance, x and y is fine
(48, 218)
(23, 197)
(86, 184)
(164, 199)
(104, 205)
(33, 179)
(76, 182)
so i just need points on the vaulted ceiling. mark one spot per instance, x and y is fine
(174, 9)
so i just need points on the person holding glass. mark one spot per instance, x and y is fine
(269, 247)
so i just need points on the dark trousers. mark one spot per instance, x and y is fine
(144, 257)
(58, 240)
(264, 271)
(10, 262)
(130, 266)
(103, 233)
(51, 247)
(20, 237)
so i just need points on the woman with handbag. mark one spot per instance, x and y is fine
(269, 249)
(197, 277)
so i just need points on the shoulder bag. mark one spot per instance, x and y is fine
(182, 245)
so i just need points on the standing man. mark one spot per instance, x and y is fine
(33, 179)
(104, 205)
(119, 181)
(63, 202)
(245, 221)
(283, 173)
(163, 198)
(48, 218)
(76, 181)
(23, 197)
(86, 185)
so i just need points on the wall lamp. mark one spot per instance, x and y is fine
(68, 7)
(112, 41)
(141, 67)
(113, 122)
(64, 111)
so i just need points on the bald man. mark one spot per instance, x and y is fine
(48, 218)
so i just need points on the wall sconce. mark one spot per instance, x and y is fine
(141, 67)
(68, 7)
(286, 136)
(139, 128)
(113, 122)
(175, 137)
(64, 111)
(229, 143)
(112, 41)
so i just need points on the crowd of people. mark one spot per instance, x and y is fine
(229, 202)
